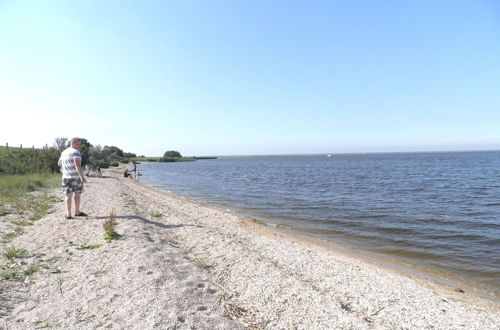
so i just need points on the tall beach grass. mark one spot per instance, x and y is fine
(28, 182)
(26, 161)
(15, 194)
(24, 176)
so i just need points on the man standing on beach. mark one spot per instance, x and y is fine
(72, 179)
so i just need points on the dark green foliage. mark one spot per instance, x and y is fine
(14, 161)
(24, 161)
(129, 155)
(172, 154)
(167, 159)
(101, 163)
(113, 153)
(85, 150)
(106, 156)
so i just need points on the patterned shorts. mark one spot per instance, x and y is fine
(72, 185)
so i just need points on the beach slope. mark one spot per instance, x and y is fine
(180, 264)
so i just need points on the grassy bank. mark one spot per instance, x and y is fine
(12, 184)
(25, 199)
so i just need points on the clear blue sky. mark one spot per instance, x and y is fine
(252, 77)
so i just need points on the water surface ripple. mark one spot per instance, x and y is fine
(438, 211)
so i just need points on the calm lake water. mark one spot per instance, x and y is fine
(436, 211)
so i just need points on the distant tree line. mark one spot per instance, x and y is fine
(26, 161)
(97, 155)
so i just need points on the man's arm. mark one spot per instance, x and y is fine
(79, 169)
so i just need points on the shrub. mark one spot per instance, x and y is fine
(172, 153)
(24, 161)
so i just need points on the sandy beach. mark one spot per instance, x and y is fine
(182, 265)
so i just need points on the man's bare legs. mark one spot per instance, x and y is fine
(77, 203)
(68, 200)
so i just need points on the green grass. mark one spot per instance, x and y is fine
(40, 205)
(12, 253)
(14, 189)
(156, 214)
(18, 196)
(89, 247)
(109, 227)
(27, 182)
(11, 272)
(18, 270)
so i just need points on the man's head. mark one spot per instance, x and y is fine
(76, 143)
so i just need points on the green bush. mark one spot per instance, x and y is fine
(25, 161)
(115, 164)
(102, 164)
(172, 153)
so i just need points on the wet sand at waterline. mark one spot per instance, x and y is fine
(180, 264)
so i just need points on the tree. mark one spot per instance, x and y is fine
(172, 154)
(85, 148)
(113, 153)
(61, 143)
(129, 155)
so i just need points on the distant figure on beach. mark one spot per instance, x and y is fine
(135, 172)
(126, 174)
(72, 178)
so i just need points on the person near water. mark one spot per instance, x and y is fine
(72, 178)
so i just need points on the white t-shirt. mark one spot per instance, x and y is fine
(67, 163)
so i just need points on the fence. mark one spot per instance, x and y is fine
(45, 147)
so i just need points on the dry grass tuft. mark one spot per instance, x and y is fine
(239, 313)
